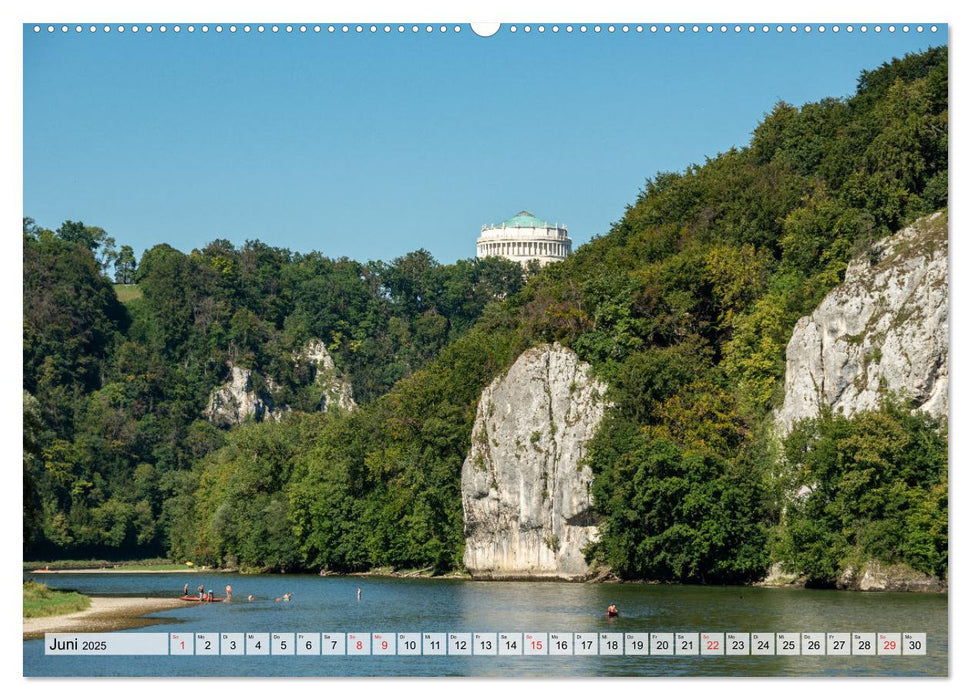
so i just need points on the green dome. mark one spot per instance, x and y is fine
(524, 220)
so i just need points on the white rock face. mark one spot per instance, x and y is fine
(338, 392)
(875, 576)
(884, 329)
(236, 400)
(526, 497)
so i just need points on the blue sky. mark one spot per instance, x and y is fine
(372, 145)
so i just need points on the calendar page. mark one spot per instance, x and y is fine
(517, 349)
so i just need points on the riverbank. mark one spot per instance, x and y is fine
(119, 570)
(90, 566)
(388, 572)
(41, 601)
(104, 615)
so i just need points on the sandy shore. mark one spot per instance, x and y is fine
(104, 615)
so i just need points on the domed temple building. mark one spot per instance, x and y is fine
(523, 238)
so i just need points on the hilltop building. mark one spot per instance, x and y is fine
(523, 238)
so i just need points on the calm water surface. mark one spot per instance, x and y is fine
(322, 604)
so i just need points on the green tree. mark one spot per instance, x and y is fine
(71, 321)
(675, 514)
(32, 428)
(91, 237)
(868, 487)
(126, 267)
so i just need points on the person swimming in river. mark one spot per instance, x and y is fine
(285, 598)
(612, 610)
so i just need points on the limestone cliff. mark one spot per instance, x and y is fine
(874, 576)
(885, 328)
(246, 394)
(238, 398)
(337, 392)
(525, 491)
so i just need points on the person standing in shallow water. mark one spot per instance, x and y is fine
(185, 589)
(359, 594)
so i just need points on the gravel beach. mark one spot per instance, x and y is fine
(104, 615)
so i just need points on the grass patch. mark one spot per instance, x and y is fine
(41, 601)
(151, 567)
(135, 565)
(127, 292)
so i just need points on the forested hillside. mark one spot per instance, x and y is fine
(684, 308)
(117, 391)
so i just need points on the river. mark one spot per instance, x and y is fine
(330, 604)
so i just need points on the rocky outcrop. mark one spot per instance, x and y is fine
(884, 329)
(525, 490)
(237, 399)
(779, 577)
(337, 391)
(249, 395)
(888, 577)
(872, 576)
